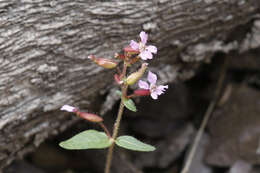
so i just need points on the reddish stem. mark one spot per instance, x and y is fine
(118, 71)
(105, 129)
(131, 96)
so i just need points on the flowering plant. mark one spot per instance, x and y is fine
(92, 139)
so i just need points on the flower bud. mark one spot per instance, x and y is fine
(90, 117)
(117, 79)
(130, 50)
(103, 62)
(142, 92)
(132, 78)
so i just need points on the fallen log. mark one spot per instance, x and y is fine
(44, 47)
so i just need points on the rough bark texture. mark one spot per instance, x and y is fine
(44, 46)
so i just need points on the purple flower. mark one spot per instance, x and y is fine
(154, 89)
(68, 108)
(145, 51)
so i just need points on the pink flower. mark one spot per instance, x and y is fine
(68, 108)
(154, 89)
(145, 51)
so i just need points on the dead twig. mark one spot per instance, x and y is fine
(205, 120)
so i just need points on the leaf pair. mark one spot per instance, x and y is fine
(92, 139)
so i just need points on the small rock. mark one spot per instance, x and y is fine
(235, 129)
(240, 167)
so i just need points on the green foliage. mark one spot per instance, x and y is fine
(131, 143)
(89, 139)
(129, 104)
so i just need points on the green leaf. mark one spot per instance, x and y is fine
(129, 104)
(89, 139)
(131, 143)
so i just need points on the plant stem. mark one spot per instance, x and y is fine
(115, 132)
(117, 123)
(105, 129)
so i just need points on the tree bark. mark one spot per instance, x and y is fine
(44, 46)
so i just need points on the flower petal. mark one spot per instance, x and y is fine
(143, 37)
(152, 78)
(134, 45)
(158, 91)
(154, 95)
(162, 87)
(146, 55)
(152, 49)
(143, 84)
(68, 108)
(142, 55)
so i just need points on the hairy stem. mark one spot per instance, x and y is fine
(117, 124)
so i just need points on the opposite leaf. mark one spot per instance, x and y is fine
(131, 143)
(89, 139)
(129, 104)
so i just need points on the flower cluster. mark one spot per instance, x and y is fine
(140, 51)
(145, 53)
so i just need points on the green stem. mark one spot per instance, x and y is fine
(117, 124)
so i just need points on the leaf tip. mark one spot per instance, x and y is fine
(63, 145)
